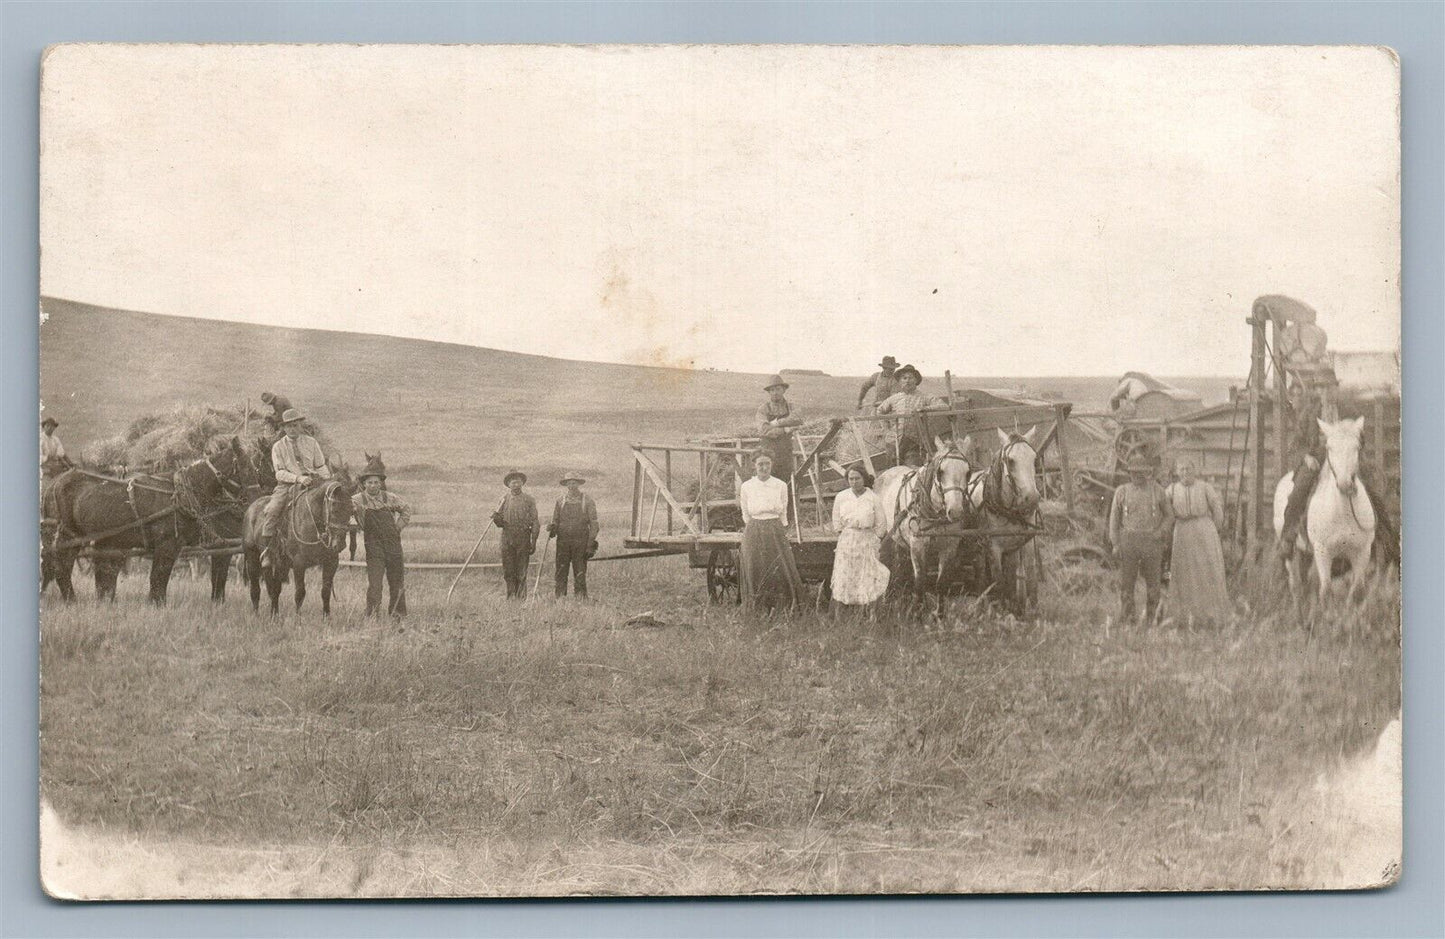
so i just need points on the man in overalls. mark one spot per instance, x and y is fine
(517, 518)
(382, 515)
(1140, 521)
(574, 525)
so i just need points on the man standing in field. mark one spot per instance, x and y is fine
(574, 525)
(517, 518)
(299, 462)
(1140, 521)
(882, 383)
(382, 515)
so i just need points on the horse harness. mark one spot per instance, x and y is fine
(182, 496)
(996, 481)
(328, 534)
(921, 508)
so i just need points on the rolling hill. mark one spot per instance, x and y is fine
(448, 419)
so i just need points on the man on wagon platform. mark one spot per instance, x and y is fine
(381, 516)
(912, 435)
(777, 420)
(299, 462)
(278, 405)
(882, 383)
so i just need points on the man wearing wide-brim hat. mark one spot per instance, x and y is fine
(776, 420)
(517, 518)
(882, 383)
(574, 525)
(298, 462)
(1140, 522)
(382, 515)
(53, 460)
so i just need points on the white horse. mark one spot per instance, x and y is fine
(915, 499)
(1004, 498)
(1340, 521)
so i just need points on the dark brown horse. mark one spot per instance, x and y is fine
(155, 513)
(312, 533)
(228, 524)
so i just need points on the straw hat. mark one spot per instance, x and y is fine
(573, 476)
(774, 382)
(291, 415)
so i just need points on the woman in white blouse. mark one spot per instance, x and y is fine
(767, 572)
(859, 578)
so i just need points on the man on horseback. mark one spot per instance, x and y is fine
(298, 462)
(53, 460)
(1309, 442)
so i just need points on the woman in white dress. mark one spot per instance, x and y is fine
(767, 572)
(859, 578)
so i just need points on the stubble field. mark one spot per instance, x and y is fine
(491, 748)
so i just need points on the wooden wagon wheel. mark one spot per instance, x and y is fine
(1131, 443)
(722, 577)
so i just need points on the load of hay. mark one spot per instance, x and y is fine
(171, 439)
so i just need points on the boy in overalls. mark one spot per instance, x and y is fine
(382, 515)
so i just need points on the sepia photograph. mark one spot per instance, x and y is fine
(703, 470)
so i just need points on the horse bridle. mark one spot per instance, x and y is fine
(922, 507)
(1001, 481)
(328, 534)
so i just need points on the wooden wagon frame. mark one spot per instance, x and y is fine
(703, 526)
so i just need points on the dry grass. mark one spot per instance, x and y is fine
(491, 748)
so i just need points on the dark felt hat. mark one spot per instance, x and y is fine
(374, 467)
(774, 382)
(909, 369)
(888, 362)
(507, 479)
(50, 422)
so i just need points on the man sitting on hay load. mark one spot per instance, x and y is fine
(298, 462)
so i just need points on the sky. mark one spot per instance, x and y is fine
(989, 210)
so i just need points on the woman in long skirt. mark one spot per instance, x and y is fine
(859, 578)
(767, 572)
(1196, 587)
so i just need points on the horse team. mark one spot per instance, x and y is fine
(214, 500)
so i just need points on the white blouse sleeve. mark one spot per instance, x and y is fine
(839, 503)
(743, 500)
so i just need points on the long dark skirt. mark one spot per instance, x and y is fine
(767, 572)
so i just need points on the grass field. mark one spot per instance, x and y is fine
(548, 748)
(488, 748)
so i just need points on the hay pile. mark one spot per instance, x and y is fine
(173, 438)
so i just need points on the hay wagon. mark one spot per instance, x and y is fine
(684, 495)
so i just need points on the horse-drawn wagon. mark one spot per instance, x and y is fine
(684, 495)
